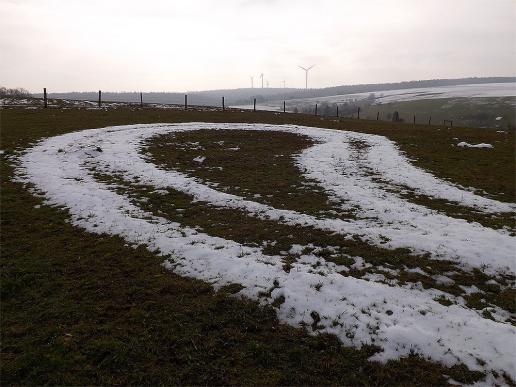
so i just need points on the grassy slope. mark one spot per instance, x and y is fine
(477, 112)
(83, 309)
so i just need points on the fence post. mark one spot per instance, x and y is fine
(141, 99)
(223, 106)
(254, 105)
(414, 119)
(337, 111)
(45, 97)
(186, 102)
(358, 113)
(315, 109)
(284, 108)
(100, 98)
(429, 120)
(377, 116)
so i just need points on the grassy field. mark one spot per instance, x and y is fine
(476, 112)
(84, 309)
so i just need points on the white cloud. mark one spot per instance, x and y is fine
(163, 45)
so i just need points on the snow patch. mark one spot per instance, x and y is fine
(464, 144)
(199, 159)
(357, 311)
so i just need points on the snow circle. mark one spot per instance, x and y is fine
(400, 320)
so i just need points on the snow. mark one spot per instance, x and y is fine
(381, 213)
(443, 280)
(498, 118)
(357, 311)
(464, 144)
(469, 91)
(37, 103)
(417, 270)
(199, 159)
(485, 90)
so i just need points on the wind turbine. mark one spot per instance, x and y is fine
(252, 82)
(261, 76)
(306, 74)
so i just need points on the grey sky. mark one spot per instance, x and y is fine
(160, 45)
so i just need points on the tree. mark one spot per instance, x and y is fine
(16, 93)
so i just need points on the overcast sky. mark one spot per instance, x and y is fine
(181, 45)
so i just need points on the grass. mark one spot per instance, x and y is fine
(490, 173)
(263, 165)
(246, 163)
(475, 112)
(77, 308)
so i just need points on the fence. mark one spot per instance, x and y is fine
(316, 112)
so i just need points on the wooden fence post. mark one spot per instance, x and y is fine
(223, 106)
(337, 111)
(377, 116)
(100, 98)
(315, 109)
(186, 102)
(45, 97)
(414, 119)
(429, 120)
(358, 113)
(141, 99)
(284, 107)
(254, 105)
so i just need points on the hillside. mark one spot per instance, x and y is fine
(246, 95)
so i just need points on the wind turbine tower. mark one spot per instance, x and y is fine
(306, 74)
(261, 76)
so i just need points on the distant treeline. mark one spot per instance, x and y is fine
(247, 95)
(18, 92)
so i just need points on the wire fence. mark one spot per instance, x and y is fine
(280, 107)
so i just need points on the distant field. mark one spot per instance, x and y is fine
(485, 90)
(491, 105)
(229, 253)
(494, 112)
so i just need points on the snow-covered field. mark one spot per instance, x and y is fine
(485, 90)
(466, 91)
(401, 319)
(37, 103)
